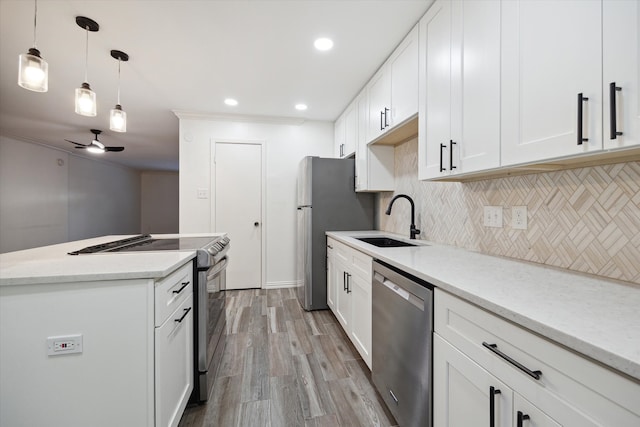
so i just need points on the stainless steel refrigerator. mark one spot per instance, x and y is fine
(327, 201)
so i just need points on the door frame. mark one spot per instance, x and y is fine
(263, 190)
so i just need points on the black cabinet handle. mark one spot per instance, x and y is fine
(581, 100)
(186, 311)
(184, 285)
(451, 144)
(494, 349)
(521, 418)
(381, 120)
(330, 247)
(492, 405)
(442, 147)
(348, 283)
(386, 123)
(344, 281)
(613, 131)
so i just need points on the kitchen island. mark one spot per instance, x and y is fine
(81, 339)
(583, 331)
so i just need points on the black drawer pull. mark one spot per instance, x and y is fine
(492, 405)
(386, 123)
(184, 285)
(442, 147)
(381, 120)
(186, 311)
(494, 349)
(521, 418)
(613, 131)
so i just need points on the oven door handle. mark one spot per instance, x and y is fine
(215, 269)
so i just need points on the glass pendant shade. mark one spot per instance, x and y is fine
(34, 71)
(86, 101)
(118, 119)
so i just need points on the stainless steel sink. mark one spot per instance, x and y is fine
(385, 242)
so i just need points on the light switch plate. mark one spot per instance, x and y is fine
(203, 193)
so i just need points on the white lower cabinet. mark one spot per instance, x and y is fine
(485, 369)
(349, 279)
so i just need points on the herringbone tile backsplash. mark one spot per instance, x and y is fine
(587, 219)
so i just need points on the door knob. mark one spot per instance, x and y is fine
(255, 224)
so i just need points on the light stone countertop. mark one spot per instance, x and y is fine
(596, 317)
(52, 264)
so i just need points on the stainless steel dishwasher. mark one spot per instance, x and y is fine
(402, 343)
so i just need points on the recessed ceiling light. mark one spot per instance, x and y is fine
(301, 107)
(230, 101)
(323, 43)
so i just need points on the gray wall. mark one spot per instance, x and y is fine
(49, 196)
(159, 204)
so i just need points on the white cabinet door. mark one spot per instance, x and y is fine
(551, 53)
(621, 20)
(339, 135)
(434, 119)
(360, 290)
(332, 276)
(462, 391)
(475, 86)
(343, 298)
(379, 94)
(403, 66)
(174, 365)
(350, 130)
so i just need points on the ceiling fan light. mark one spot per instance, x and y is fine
(33, 71)
(118, 119)
(85, 101)
(95, 149)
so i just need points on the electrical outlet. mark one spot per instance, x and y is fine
(64, 345)
(492, 216)
(519, 217)
(203, 193)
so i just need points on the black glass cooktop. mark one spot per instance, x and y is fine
(145, 242)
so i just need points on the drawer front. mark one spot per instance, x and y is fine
(174, 364)
(342, 252)
(361, 265)
(598, 392)
(172, 291)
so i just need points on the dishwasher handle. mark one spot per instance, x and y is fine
(399, 290)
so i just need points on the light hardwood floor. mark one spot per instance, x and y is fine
(284, 366)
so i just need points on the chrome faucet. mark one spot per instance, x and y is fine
(413, 231)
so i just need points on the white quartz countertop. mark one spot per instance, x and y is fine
(52, 264)
(593, 316)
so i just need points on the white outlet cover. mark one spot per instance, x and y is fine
(492, 216)
(519, 217)
(66, 344)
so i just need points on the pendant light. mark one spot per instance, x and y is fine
(118, 117)
(33, 71)
(85, 97)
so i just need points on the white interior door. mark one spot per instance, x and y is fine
(238, 210)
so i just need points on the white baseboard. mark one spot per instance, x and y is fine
(281, 284)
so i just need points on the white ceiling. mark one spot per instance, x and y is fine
(190, 55)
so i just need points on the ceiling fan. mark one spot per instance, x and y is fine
(95, 146)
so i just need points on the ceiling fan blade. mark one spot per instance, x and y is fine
(113, 148)
(77, 143)
(80, 148)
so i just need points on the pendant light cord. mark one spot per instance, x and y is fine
(35, 23)
(86, 56)
(118, 81)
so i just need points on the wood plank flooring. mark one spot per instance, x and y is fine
(284, 366)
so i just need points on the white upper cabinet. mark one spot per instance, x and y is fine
(403, 68)
(350, 130)
(393, 90)
(379, 93)
(434, 118)
(551, 79)
(339, 136)
(620, 21)
(459, 120)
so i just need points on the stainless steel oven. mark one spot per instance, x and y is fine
(209, 301)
